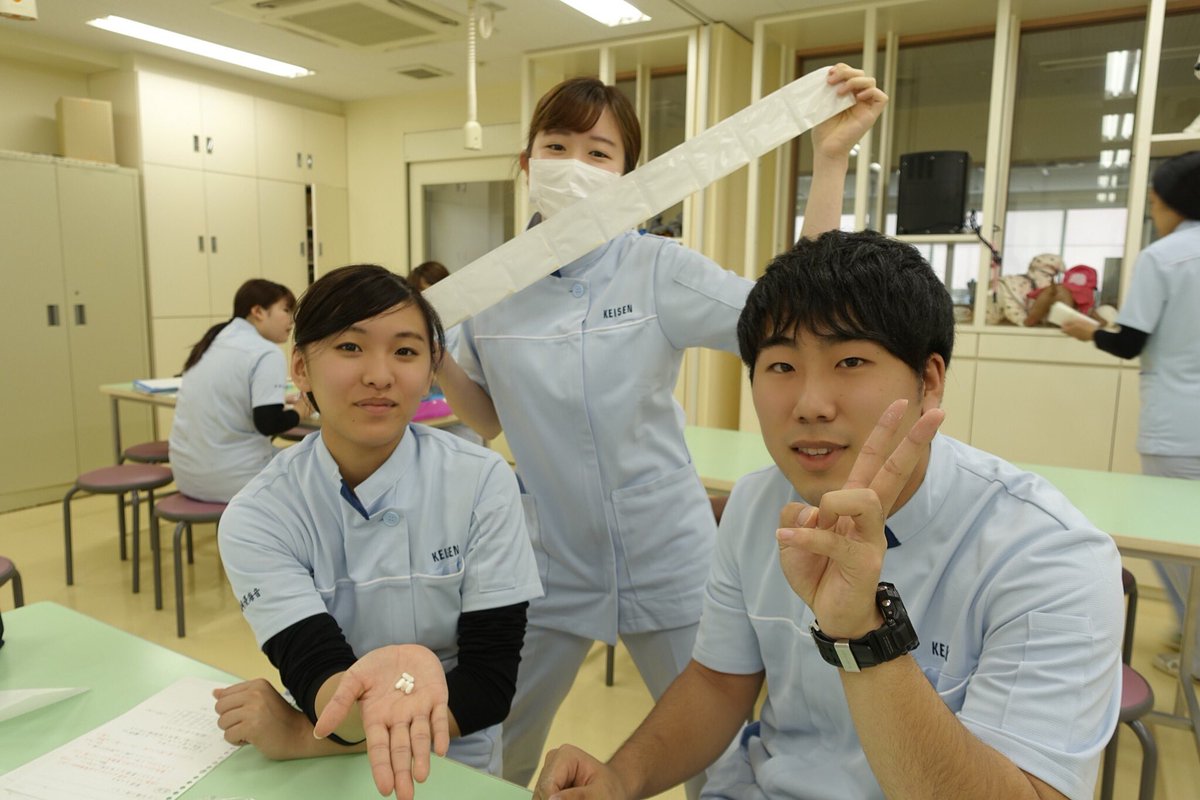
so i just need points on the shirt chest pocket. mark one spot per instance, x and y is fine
(437, 605)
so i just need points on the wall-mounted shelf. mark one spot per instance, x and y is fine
(1165, 145)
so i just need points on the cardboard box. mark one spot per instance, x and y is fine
(85, 129)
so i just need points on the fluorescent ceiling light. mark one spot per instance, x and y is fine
(190, 44)
(610, 12)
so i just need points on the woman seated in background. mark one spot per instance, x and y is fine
(231, 402)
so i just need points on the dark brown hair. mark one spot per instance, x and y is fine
(428, 273)
(360, 291)
(252, 293)
(576, 104)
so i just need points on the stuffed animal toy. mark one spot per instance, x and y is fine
(1014, 293)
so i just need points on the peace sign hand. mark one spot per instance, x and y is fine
(832, 555)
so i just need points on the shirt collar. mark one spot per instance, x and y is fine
(580, 264)
(372, 493)
(920, 510)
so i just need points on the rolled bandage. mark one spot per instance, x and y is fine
(637, 196)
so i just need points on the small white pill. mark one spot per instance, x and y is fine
(401, 683)
(408, 688)
(406, 676)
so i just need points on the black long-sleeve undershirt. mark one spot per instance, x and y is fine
(1125, 342)
(481, 685)
(274, 419)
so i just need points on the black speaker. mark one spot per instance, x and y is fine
(933, 192)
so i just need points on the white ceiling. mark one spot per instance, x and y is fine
(349, 74)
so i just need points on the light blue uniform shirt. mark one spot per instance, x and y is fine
(581, 367)
(1164, 301)
(1016, 599)
(444, 535)
(215, 448)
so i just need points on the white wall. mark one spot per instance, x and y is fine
(376, 163)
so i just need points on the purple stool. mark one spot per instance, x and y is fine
(131, 478)
(297, 433)
(8, 572)
(1137, 700)
(147, 453)
(183, 511)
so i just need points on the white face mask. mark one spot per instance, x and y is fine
(556, 183)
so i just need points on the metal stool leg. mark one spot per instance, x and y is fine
(1109, 772)
(121, 525)
(191, 559)
(18, 589)
(1149, 760)
(179, 528)
(608, 665)
(67, 534)
(156, 555)
(137, 553)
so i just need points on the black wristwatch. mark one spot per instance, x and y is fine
(891, 640)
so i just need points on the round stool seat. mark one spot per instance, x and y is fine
(124, 478)
(7, 569)
(1137, 698)
(147, 453)
(297, 433)
(180, 508)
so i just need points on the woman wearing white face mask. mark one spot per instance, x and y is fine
(578, 370)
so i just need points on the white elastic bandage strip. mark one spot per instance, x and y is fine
(638, 195)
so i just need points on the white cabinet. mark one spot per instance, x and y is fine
(201, 239)
(185, 124)
(283, 244)
(300, 145)
(74, 316)
(331, 229)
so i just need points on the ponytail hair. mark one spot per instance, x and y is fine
(252, 293)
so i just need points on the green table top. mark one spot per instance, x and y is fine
(49, 646)
(1147, 516)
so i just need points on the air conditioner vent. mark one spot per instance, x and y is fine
(376, 25)
(422, 72)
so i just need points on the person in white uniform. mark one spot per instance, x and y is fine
(1160, 322)
(231, 401)
(377, 548)
(579, 370)
(969, 647)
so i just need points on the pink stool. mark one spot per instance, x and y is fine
(183, 511)
(131, 478)
(147, 453)
(297, 433)
(8, 572)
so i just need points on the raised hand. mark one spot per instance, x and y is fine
(832, 555)
(834, 137)
(400, 727)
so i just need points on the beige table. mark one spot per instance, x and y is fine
(1148, 517)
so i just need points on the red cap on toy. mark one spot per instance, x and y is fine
(1081, 281)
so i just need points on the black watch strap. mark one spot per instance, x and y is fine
(895, 637)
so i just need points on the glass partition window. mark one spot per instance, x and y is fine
(804, 151)
(1177, 104)
(1072, 133)
(666, 128)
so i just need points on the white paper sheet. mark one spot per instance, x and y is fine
(15, 702)
(155, 751)
(638, 195)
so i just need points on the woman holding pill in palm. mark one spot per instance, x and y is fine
(386, 594)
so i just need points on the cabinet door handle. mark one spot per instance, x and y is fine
(80, 314)
(302, 248)
(208, 145)
(299, 161)
(196, 143)
(320, 248)
(200, 243)
(310, 160)
(214, 243)
(52, 316)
